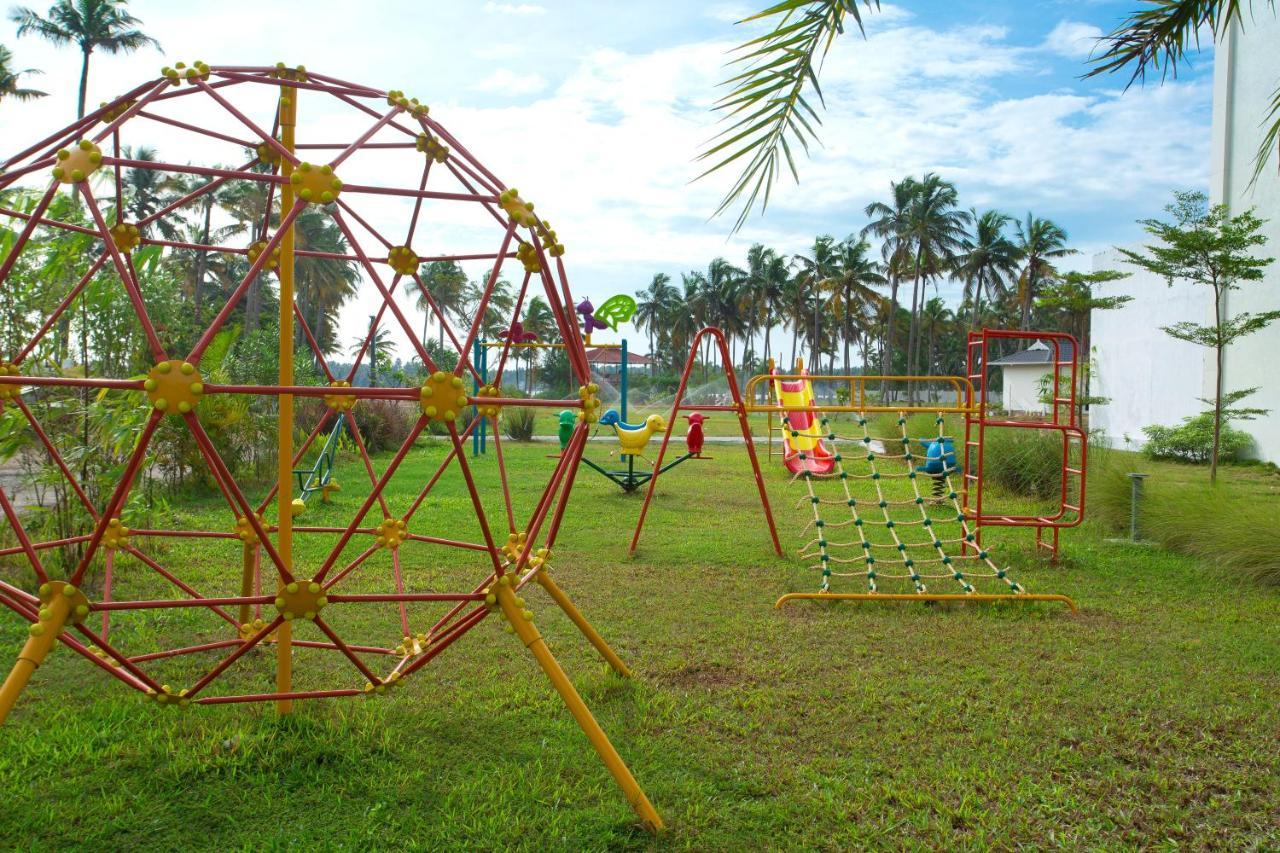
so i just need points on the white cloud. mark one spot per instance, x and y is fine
(1072, 39)
(515, 8)
(508, 82)
(607, 148)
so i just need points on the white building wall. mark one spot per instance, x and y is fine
(1152, 378)
(1246, 72)
(1149, 377)
(1020, 389)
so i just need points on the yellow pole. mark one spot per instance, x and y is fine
(284, 498)
(246, 581)
(584, 626)
(53, 616)
(533, 641)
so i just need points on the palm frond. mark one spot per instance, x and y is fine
(765, 109)
(1271, 140)
(1158, 35)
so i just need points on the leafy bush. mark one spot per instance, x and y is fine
(1193, 440)
(517, 423)
(1024, 461)
(384, 424)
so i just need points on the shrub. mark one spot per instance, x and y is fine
(1193, 440)
(384, 424)
(1024, 461)
(517, 423)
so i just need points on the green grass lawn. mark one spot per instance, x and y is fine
(1149, 719)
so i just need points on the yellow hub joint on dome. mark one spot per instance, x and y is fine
(340, 402)
(245, 532)
(116, 111)
(267, 154)
(442, 397)
(9, 392)
(248, 629)
(494, 605)
(168, 697)
(101, 655)
(413, 106)
(491, 410)
(181, 71)
(550, 242)
(389, 683)
(392, 532)
(60, 604)
(413, 646)
(432, 147)
(588, 394)
(126, 236)
(517, 208)
(527, 255)
(301, 600)
(514, 546)
(540, 558)
(316, 184)
(174, 387)
(284, 72)
(403, 260)
(256, 250)
(77, 163)
(115, 536)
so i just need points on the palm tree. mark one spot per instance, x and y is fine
(853, 297)
(539, 321)
(1040, 242)
(763, 290)
(9, 87)
(891, 223)
(653, 306)
(721, 295)
(989, 261)
(812, 270)
(89, 24)
(934, 318)
(324, 284)
(937, 230)
(446, 283)
(687, 314)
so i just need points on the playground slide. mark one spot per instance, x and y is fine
(803, 435)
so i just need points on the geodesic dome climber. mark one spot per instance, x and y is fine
(391, 179)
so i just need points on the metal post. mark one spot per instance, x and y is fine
(1135, 497)
(623, 379)
(475, 389)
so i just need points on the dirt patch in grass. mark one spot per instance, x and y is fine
(711, 676)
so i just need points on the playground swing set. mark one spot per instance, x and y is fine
(296, 612)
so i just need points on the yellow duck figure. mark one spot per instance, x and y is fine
(632, 438)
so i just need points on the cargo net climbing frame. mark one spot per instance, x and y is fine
(887, 503)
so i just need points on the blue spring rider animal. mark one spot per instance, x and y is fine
(939, 461)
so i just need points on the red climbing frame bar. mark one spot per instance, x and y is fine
(1061, 416)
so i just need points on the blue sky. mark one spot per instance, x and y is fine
(597, 109)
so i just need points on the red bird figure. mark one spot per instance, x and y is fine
(517, 335)
(693, 438)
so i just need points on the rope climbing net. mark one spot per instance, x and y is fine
(895, 516)
(888, 528)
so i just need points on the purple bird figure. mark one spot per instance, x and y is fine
(589, 322)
